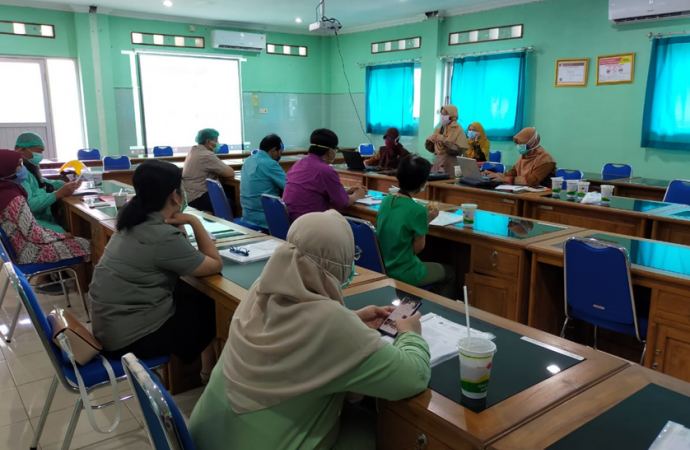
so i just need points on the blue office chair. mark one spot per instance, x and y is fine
(89, 154)
(366, 150)
(282, 146)
(165, 424)
(569, 174)
(93, 374)
(678, 192)
(160, 152)
(598, 288)
(498, 168)
(612, 171)
(116, 163)
(224, 149)
(277, 216)
(31, 270)
(366, 239)
(495, 157)
(221, 205)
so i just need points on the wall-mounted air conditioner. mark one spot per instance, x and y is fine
(631, 11)
(234, 40)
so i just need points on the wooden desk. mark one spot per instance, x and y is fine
(625, 215)
(635, 187)
(554, 425)
(672, 226)
(374, 181)
(666, 292)
(449, 191)
(448, 425)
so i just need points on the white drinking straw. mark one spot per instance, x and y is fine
(467, 313)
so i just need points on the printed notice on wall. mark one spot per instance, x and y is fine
(615, 69)
(571, 72)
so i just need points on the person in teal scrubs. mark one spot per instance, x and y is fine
(42, 193)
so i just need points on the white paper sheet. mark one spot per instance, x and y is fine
(257, 251)
(369, 201)
(509, 187)
(446, 218)
(674, 436)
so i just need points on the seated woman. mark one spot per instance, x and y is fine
(136, 305)
(389, 155)
(402, 226)
(202, 163)
(479, 145)
(534, 167)
(31, 243)
(295, 351)
(447, 142)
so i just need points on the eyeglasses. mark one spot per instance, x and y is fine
(239, 250)
(358, 253)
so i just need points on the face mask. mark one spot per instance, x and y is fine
(276, 159)
(472, 134)
(216, 149)
(445, 119)
(423, 188)
(37, 158)
(21, 176)
(352, 271)
(352, 275)
(184, 205)
(522, 149)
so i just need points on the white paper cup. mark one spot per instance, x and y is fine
(97, 178)
(582, 189)
(458, 172)
(571, 188)
(120, 200)
(469, 210)
(476, 358)
(606, 194)
(556, 186)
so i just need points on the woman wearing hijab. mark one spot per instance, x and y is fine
(391, 153)
(447, 142)
(294, 351)
(31, 243)
(479, 145)
(535, 165)
(42, 194)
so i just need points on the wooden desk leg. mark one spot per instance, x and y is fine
(546, 298)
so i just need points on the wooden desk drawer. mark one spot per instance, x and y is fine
(223, 318)
(396, 433)
(673, 307)
(496, 261)
(350, 180)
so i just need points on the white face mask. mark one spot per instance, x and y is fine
(445, 119)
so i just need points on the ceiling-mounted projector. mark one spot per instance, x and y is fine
(324, 23)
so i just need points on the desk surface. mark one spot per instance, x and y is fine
(588, 409)
(621, 205)
(449, 421)
(680, 215)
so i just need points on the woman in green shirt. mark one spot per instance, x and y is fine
(402, 226)
(294, 352)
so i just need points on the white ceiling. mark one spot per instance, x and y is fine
(278, 15)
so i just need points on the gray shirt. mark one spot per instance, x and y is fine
(200, 164)
(131, 291)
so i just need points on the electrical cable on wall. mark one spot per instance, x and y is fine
(349, 89)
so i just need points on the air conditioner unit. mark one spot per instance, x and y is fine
(234, 40)
(631, 11)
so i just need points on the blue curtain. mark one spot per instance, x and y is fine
(390, 98)
(490, 89)
(666, 122)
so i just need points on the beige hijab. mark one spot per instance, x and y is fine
(537, 156)
(292, 333)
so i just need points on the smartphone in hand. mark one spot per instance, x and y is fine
(407, 307)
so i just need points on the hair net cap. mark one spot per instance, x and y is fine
(29, 140)
(206, 134)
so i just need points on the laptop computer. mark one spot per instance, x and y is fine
(354, 161)
(471, 175)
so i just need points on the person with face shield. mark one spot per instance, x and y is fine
(447, 142)
(202, 163)
(137, 304)
(42, 194)
(402, 226)
(31, 242)
(391, 153)
(261, 174)
(534, 167)
(313, 185)
(294, 352)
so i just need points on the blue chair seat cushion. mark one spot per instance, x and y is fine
(30, 269)
(94, 372)
(629, 329)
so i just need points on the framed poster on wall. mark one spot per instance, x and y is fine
(616, 69)
(571, 72)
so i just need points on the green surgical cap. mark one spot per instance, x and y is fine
(206, 134)
(29, 140)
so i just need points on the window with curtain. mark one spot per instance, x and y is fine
(390, 98)
(490, 89)
(666, 122)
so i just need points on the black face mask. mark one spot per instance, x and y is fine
(278, 158)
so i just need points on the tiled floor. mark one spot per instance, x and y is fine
(25, 377)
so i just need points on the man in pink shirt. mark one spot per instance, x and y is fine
(313, 185)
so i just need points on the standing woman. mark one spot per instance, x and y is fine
(447, 142)
(535, 165)
(479, 145)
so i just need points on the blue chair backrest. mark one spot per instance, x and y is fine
(598, 282)
(612, 171)
(164, 422)
(365, 238)
(282, 146)
(7, 245)
(116, 163)
(678, 192)
(219, 201)
(366, 150)
(224, 149)
(569, 174)
(160, 152)
(86, 154)
(495, 157)
(498, 168)
(277, 216)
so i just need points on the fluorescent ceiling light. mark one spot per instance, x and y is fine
(298, 20)
(167, 3)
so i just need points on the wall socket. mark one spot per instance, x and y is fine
(263, 111)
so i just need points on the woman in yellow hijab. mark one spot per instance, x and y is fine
(479, 145)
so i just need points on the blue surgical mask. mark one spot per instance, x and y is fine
(522, 149)
(472, 134)
(21, 176)
(36, 159)
(349, 280)
(216, 149)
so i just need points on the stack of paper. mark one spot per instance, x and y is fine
(446, 218)
(258, 251)
(510, 188)
(369, 201)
